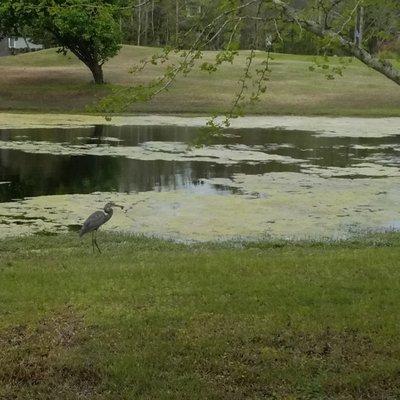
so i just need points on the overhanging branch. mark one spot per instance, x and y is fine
(383, 66)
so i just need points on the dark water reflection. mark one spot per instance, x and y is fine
(31, 174)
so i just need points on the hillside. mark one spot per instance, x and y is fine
(48, 81)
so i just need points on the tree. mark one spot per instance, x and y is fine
(89, 29)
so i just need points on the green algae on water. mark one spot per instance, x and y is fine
(280, 205)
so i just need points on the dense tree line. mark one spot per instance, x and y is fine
(178, 22)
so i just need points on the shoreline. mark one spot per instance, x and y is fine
(327, 126)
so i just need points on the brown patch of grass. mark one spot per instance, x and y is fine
(43, 361)
(290, 364)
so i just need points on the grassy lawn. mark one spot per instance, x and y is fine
(47, 81)
(149, 319)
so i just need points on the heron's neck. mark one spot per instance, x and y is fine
(109, 213)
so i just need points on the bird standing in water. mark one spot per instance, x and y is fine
(96, 220)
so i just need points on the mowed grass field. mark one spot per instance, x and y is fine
(50, 82)
(149, 319)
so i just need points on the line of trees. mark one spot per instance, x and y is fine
(177, 23)
(173, 22)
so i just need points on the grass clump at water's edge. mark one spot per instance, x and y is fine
(155, 319)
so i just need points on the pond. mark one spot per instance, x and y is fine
(255, 181)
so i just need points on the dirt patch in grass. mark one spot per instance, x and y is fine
(44, 361)
(45, 76)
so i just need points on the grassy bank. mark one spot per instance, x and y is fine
(149, 319)
(47, 81)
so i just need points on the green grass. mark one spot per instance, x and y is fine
(149, 319)
(50, 82)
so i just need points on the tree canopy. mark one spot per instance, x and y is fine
(87, 28)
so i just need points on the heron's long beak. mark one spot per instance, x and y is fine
(118, 205)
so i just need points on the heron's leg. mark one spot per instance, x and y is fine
(95, 242)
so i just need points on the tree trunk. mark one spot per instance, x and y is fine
(359, 27)
(132, 29)
(152, 20)
(139, 29)
(176, 22)
(95, 67)
(27, 44)
(146, 25)
(97, 72)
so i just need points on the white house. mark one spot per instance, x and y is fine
(15, 45)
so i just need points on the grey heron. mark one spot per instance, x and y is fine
(96, 220)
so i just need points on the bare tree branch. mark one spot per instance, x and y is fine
(383, 66)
